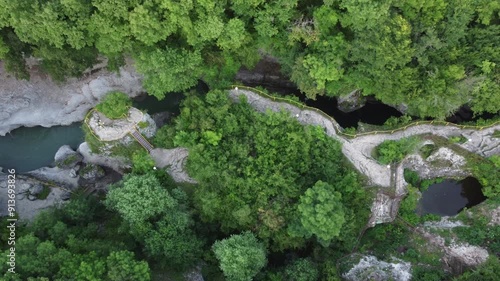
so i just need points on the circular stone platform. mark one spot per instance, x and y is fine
(108, 129)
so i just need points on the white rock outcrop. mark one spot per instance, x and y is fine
(43, 102)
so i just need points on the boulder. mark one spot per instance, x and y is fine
(91, 173)
(67, 158)
(350, 102)
(65, 195)
(162, 118)
(40, 101)
(73, 173)
(36, 189)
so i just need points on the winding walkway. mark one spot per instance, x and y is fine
(359, 148)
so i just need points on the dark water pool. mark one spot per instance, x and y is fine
(449, 197)
(26, 149)
(373, 112)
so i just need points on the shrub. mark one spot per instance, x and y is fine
(391, 151)
(427, 150)
(458, 139)
(397, 122)
(412, 177)
(115, 105)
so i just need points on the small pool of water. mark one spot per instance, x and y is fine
(152, 105)
(27, 149)
(450, 197)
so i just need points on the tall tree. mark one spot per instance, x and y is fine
(241, 256)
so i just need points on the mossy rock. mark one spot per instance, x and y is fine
(91, 172)
(66, 158)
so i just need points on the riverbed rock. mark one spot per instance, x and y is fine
(162, 118)
(65, 195)
(370, 268)
(25, 208)
(119, 164)
(67, 158)
(173, 160)
(91, 172)
(350, 102)
(61, 177)
(460, 257)
(36, 189)
(40, 101)
(73, 173)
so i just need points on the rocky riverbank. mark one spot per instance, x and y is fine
(43, 102)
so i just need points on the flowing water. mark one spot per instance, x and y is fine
(26, 149)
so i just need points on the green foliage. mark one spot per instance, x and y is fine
(156, 218)
(122, 266)
(427, 274)
(397, 122)
(142, 163)
(115, 105)
(168, 70)
(481, 234)
(427, 150)
(411, 177)
(350, 131)
(458, 139)
(76, 241)
(302, 270)
(391, 151)
(439, 54)
(164, 137)
(487, 271)
(92, 141)
(321, 212)
(139, 198)
(143, 124)
(408, 206)
(486, 171)
(45, 192)
(259, 168)
(241, 256)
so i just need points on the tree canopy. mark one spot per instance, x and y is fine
(241, 256)
(253, 168)
(430, 55)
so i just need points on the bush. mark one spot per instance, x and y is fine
(411, 177)
(115, 105)
(427, 150)
(397, 122)
(391, 151)
(302, 270)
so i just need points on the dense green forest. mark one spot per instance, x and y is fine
(275, 200)
(432, 55)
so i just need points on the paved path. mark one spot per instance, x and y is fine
(359, 149)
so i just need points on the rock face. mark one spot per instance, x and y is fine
(370, 268)
(162, 118)
(118, 164)
(351, 101)
(173, 160)
(42, 102)
(267, 73)
(91, 172)
(67, 158)
(27, 205)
